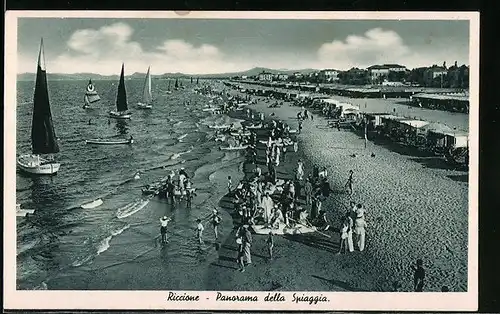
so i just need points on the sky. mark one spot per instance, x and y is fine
(204, 46)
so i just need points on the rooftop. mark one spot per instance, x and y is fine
(385, 66)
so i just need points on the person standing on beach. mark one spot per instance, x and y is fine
(299, 173)
(418, 276)
(349, 183)
(360, 229)
(308, 191)
(316, 207)
(343, 237)
(350, 223)
(241, 253)
(300, 126)
(270, 244)
(215, 220)
(247, 243)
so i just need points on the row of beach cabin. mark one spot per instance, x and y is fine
(433, 137)
(448, 99)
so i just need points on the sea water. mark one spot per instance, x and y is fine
(63, 246)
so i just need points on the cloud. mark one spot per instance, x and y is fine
(378, 46)
(102, 51)
(375, 46)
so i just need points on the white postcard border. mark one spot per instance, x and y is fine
(427, 301)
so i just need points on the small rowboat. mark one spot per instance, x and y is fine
(240, 133)
(253, 127)
(98, 141)
(234, 147)
(283, 229)
(23, 212)
(93, 204)
(217, 127)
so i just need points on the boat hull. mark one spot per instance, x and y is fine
(92, 204)
(117, 115)
(105, 142)
(234, 148)
(144, 106)
(282, 229)
(36, 165)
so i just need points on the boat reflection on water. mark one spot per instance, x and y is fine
(121, 127)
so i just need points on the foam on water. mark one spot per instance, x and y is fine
(131, 208)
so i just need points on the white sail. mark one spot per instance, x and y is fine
(147, 97)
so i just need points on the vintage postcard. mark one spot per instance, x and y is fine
(241, 160)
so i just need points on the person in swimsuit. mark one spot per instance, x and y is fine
(215, 220)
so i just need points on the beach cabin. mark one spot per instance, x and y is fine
(348, 112)
(413, 132)
(390, 126)
(452, 144)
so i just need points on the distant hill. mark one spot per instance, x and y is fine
(137, 75)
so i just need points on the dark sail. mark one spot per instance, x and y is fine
(176, 83)
(191, 80)
(197, 80)
(43, 136)
(121, 97)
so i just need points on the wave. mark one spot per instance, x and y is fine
(131, 208)
(177, 155)
(182, 137)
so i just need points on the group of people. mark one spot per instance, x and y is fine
(178, 187)
(354, 223)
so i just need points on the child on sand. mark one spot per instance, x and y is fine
(270, 245)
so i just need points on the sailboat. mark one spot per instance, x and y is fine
(147, 97)
(121, 100)
(43, 136)
(91, 95)
(176, 86)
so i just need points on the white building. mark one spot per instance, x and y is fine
(265, 76)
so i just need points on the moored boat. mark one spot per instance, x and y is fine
(284, 229)
(99, 141)
(242, 147)
(147, 97)
(121, 99)
(43, 137)
(91, 96)
(93, 204)
(20, 212)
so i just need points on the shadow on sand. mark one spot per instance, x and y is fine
(339, 283)
(315, 242)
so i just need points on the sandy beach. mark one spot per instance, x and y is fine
(416, 208)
